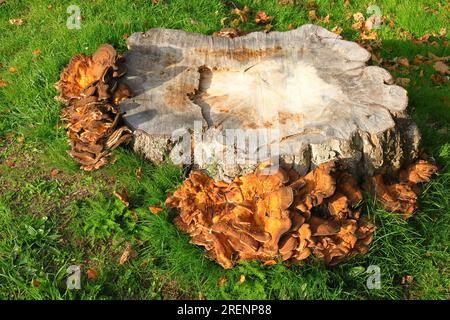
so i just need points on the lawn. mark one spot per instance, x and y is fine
(53, 215)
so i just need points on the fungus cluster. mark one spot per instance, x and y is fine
(89, 87)
(277, 215)
(401, 196)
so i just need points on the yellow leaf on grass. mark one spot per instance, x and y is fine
(16, 22)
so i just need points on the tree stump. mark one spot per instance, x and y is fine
(306, 95)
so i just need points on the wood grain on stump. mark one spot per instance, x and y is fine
(310, 90)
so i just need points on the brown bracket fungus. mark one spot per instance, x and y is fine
(90, 89)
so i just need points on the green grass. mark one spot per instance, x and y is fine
(48, 223)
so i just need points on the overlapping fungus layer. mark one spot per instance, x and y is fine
(275, 215)
(90, 89)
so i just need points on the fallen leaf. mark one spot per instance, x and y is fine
(155, 210)
(443, 32)
(407, 279)
(262, 18)
(9, 163)
(337, 30)
(37, 52)
(290, 26)
(357, 25)
(438, 79)
(54, 173)
(312, 15)
(403, 61)
(358, 16)
(138, 173)
(418, 59)
(221, 281)
(391, 24)
(91, 274)
(326, 19)
(123, 197)
(422, 39)
(242, 13)
(35, 283)
(235, 23)
(16, 22)
(12, 69)
(125, 36)
(155, 1)
(3, 83)
(441, 67)
(127, 253)
(242, 278)
(434, 57)
(229, 33)
(368, 35)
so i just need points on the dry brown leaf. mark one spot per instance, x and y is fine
(16, 22)
(326, 19)
(242, 13)
(262, 18)
(438, 79)
(337, 30)
(54, 173)
(37, 52)
(242, 279)
(155, 210)
(441, 67)
(91, 274)
(12, 69)
(368, 35)
(3, 83)
(221, 281)
(407, 279)
(122, 196)
(312, 15)
(138, 173)
(358, 25)
(391, 24)
(403, 61)
(229, 33)
(126, 254)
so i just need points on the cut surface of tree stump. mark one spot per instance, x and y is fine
(306, 91)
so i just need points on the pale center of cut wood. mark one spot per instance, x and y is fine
(266, 94)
